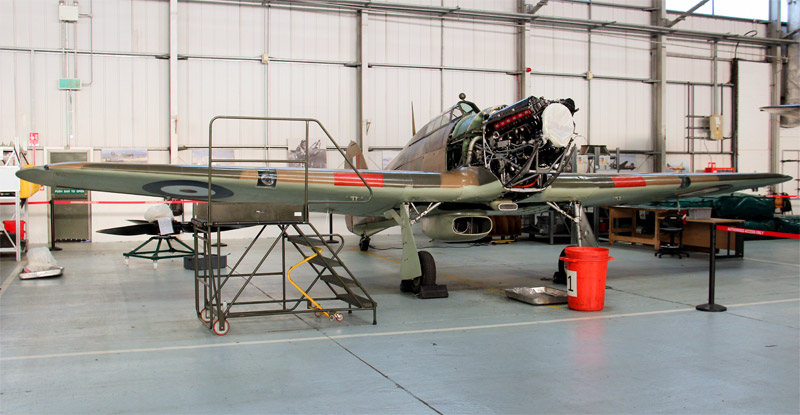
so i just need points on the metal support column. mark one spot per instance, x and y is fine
(522, 54)
(775, 97)
(173, 81)
(658, 66)
(363, 22)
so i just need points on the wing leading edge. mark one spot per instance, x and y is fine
(469, 185)
(340, 191)
(614, 189)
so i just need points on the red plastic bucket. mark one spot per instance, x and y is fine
(586, 277)
(11, 226)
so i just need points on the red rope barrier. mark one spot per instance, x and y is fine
(758, 232)
(113, 202)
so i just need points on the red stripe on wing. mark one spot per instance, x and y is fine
(352, 179)
(629, 181)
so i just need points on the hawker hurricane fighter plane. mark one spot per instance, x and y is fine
(462, 167)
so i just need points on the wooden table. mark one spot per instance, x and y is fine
(695, 231)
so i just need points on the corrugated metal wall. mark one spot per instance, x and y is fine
(313, 73)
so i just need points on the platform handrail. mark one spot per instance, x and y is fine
(305, 162)
(305, 294)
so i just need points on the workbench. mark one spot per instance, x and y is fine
(696, 232)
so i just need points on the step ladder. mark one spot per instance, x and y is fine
(223, 292)
(330, 290)
(342, 283)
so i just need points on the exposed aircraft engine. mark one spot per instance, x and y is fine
(456, 227)
(526, 144)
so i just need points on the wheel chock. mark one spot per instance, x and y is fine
(433, 291)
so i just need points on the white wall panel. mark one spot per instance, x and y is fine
(389, 106)
(113, 25)
(752, 124)
(621, 114)
(327, 93)
(624, 56)
(149, 26)
(8, 105)
(125, 105)
(312, 35)
(30, 23)
(484, 89)
(675, 120)
(563, 9)
(557, 51)
(49, 102)
(211, 29)
(404, 41)
(689, 70)
(209, 88)
(480, 45)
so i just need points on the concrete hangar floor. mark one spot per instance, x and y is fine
(111, 338)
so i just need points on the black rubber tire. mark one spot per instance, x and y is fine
(560, 277)
(363, 244)
(428, 266)
(562, 266)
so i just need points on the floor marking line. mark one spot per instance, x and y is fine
(391, 333)
(772, 262)
(382, 257)
(10, 278)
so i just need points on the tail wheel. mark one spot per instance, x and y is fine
(363, 244)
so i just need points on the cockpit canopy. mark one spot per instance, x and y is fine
(455, 112)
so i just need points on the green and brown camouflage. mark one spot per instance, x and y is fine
(446, 163)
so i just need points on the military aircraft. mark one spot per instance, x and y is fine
(459, 169)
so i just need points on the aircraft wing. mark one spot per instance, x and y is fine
(469, 186)
(276, 185)
(613, 189)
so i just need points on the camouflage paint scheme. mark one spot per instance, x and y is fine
(422, 173)
(470, 187)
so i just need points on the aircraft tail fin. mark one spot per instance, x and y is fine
(354, 151)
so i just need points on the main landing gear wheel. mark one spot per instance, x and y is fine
(363, 244)
(218, 331)
(425, 285)
(428, 277)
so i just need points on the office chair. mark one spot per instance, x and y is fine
(673, 225)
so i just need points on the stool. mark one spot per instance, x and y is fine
(672, 225)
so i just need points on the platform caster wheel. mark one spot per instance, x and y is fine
(218, 331)
(127, 261)
(317, 314)
(363, 244)
(155, 264)
(205, 315)
(337, 316)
